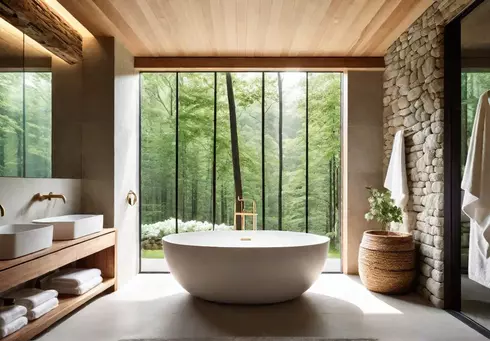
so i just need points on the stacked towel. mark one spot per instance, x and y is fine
(37, 302)
(42, 309)
(12, 319)
(73, 281)
(32, 297)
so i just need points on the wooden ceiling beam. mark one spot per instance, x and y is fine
(259, 63)
(41, 23)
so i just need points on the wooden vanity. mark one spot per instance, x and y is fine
(97, 250)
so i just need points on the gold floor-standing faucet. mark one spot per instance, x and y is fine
(2, 211)
(243, 214)
(51, 195)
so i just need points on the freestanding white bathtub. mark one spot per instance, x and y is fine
(246, 267)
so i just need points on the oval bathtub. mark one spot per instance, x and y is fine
(246, 267)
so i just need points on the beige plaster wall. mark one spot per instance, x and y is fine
(362, 157)
(126, 168)
(110, 144)
(16, 195)
(98, 128)
(67, 114)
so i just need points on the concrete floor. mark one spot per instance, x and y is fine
(475, 301)
(337, 306)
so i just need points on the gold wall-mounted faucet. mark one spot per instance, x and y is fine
(51, 195)
(2, 211)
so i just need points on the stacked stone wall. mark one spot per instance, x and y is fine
(414, 101)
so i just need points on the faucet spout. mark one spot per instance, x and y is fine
(51, 195)
(2, 211)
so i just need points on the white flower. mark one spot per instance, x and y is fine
(163, 228)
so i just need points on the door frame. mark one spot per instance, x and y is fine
(452, 169)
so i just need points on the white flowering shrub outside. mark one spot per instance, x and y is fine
(152, 234)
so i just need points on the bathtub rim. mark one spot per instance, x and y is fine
(321, 240)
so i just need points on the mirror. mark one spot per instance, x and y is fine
(29, 109)
(11, 101)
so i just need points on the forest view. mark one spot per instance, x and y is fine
(473, 85)
(271, 137)
(25, 124)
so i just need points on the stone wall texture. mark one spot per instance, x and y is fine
(414, 101)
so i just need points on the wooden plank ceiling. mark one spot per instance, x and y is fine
(249, 28)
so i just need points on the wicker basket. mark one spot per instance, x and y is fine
(387, 261)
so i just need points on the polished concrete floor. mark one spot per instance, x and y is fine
(337, 306)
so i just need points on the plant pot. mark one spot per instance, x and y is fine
(387, 261)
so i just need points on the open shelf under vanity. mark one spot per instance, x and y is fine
(97, 250)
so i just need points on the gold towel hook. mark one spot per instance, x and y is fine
(2, 211)
(132, 198)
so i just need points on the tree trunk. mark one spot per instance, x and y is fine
(212, 206)
(279, 201)
(223, 205)
(194, 198)
(334, 195)
(2, 154)
(20, 153)
(234, 147)
(171, 201)
(163, 203)
(182, 186)
(337, 198)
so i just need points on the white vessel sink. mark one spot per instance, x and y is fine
(18, 240)
(73, 226)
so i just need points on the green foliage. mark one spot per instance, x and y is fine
(382, 207)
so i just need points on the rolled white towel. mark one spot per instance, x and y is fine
(42, 309)
(72, 278)
(13, 326)
(32, 297)
(69, 290)
(11, 313)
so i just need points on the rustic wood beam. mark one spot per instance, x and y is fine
(259, 63)
(41, 23)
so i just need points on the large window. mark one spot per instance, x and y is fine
(271, 137)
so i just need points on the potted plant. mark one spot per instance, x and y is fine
(386, 259)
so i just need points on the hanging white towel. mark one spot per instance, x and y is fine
(13, 326)
(42, 309)
(478, 263)
(396, 176)
(476, 178)
(11, 313)
(32, 297)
